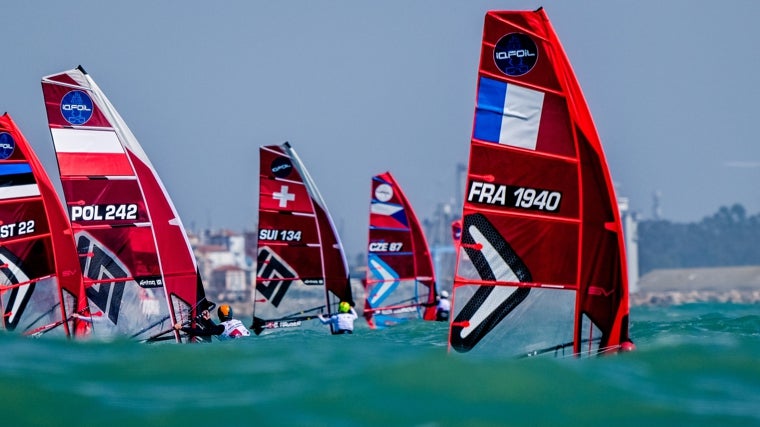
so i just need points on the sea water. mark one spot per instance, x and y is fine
(694, 365)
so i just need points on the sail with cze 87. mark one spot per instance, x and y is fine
(400, 282)
(541, 262)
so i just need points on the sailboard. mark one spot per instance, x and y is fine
(400, 280)
(41, 285)
(138, 267)
(541, 261)
(301, 268)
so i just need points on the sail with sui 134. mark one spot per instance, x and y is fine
(400, 281)
(301, 268)
(541, 262)
(134, 252)
(41, 286)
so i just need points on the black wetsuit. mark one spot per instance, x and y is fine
(204, 328)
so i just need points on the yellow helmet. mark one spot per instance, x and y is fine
(343, 307)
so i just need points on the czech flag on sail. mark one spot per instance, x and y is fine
(388, 216)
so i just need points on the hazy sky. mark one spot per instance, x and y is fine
(360, 87)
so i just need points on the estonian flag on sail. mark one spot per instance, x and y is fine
(17, 180)
(508, 114)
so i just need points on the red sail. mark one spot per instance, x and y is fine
(541, 265)
(301, 266)
(136, 258)
(40, 281)
(400, 281)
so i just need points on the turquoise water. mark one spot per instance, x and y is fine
(695, 365)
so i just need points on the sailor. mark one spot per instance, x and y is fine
(343, 321)
(443, 308)
(228, 328)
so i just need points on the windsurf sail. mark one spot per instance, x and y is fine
(541, 262)
(301, 269)
(41, 285)
(134, 252)
(400, 281)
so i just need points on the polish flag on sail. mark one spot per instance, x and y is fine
(90, 153)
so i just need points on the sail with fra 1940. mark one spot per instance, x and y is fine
(400, 281)
(541, 261)
(301, 268)
(134, 252)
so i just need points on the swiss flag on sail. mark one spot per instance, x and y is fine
(518, 116)
(284, 196)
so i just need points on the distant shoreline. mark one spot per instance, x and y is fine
(740, 285)
(664, 298)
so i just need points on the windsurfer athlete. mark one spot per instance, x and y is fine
(343, 321)
(443, 308)
(228, 328)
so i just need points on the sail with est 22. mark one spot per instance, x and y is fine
(41, 287)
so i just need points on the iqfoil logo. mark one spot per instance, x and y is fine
(281, 167)
(383, 192)
(76, 107)
(7, 145)
(515, 54)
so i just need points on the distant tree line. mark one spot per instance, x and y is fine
(727, 238)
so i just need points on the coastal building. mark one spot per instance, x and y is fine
(631, 239)
(225, 266)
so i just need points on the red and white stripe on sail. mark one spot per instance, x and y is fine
(90, 153)
(400, 279)
(541, 261)
(40, 280)
(301, 267)
(138, 265)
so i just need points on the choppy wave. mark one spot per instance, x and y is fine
(694, 365)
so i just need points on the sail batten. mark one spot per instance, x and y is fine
(540, 262)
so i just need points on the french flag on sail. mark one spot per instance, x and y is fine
(508, 114)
